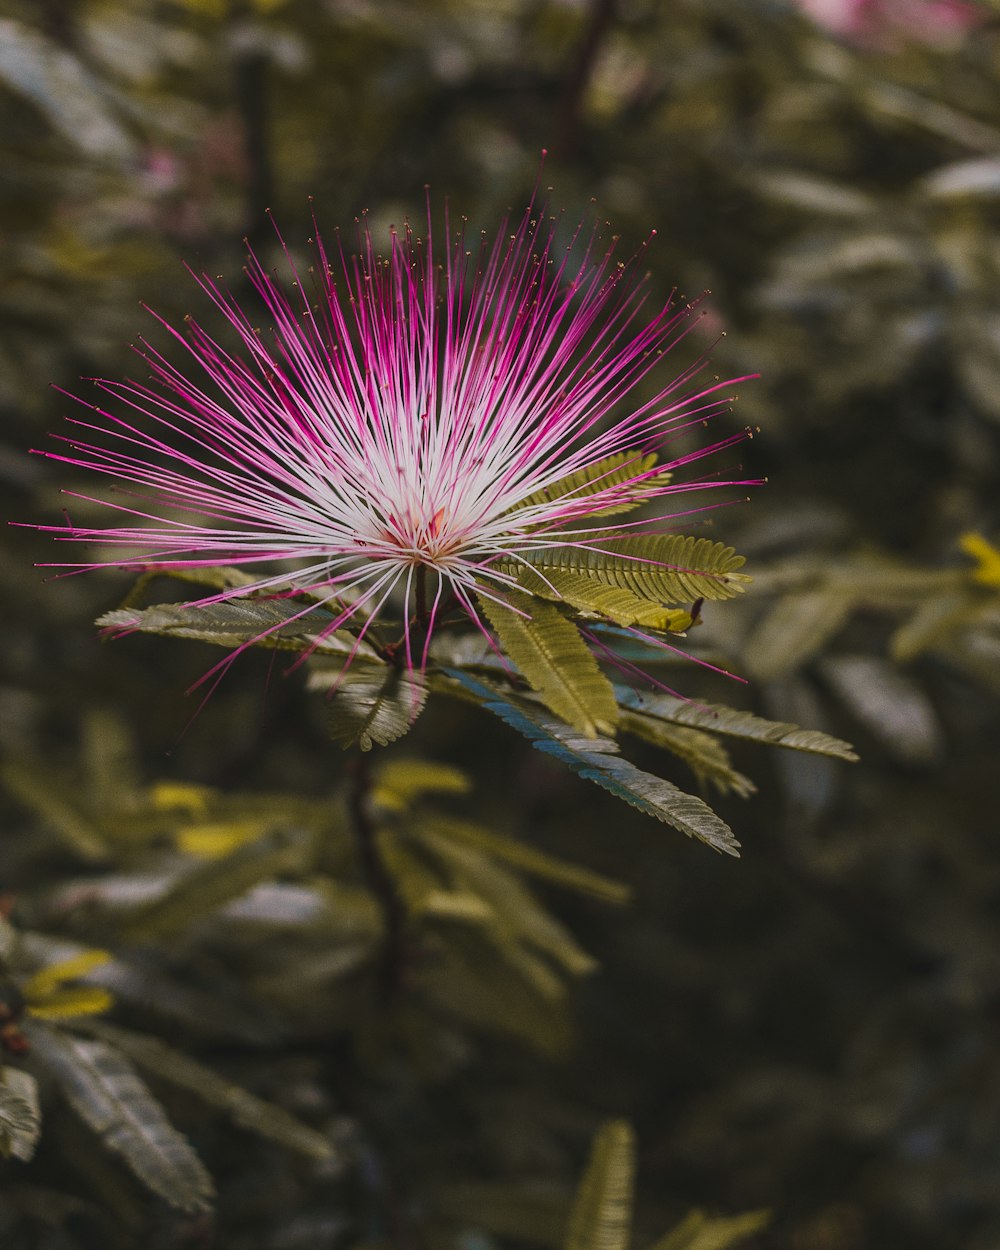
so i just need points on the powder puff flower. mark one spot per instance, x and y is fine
(407, 437)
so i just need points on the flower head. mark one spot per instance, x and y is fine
(405, 432)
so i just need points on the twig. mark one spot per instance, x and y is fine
(378, 876)
(601, 14)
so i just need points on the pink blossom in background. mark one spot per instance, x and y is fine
(937, 22)
(381, 431)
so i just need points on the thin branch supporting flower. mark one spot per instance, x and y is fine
(378, 877)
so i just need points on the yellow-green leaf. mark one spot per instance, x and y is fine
(51, 978)
(614, 603)
(733, 723)
(548, 650)
(660, 568)
(612, 471)
(707, 758)
(375, 705)
(211, 839)
(80, 1000)
(399, 782)
(601, 1217)
(986, 556)
(524, 857)
(698, 1231)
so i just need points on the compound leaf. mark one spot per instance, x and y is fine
(614, 603)
(105, 1091)
(734, 723)
(614, 474)
(374, 704)
(661, 568)
(698, 1231)
(213, 882)
(707, 758)
(601, 1216)
(242, 1107)
(20, 1115)
(276, 623)
(525, 858)
(598, 760)
(548, 650)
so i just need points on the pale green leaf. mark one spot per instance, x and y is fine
(707, 758)
(20, 1114)
(244, 1109)
(548, 650)
(217, 578)
(200, 892)
(698, 1231)
(75, 102)
(598, 760)
(518, 917)
(662, 568)
(601, 1217)
(260, 622)
(889, 703)
(36, 790)
(933, 621)
(105, 1091)
(733, 723)
(375, 704)
(525, 858)
(795, 629)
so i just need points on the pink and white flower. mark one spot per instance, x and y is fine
(403, 426)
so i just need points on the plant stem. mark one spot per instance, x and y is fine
(599, 21)
(378, 877)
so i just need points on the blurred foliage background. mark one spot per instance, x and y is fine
(812, 1029)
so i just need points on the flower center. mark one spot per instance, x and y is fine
(418, 538)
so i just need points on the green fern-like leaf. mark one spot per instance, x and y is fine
(374, 704)
(548, 650)
(614, 603)
(796, 629)
(207, 887)
(243, 1108)
(698, 1231)
(105, 1091)
(659, 568)
(59, 809)
(707, 758)
(519, 924)
(601, 1217)
(523, 857)
(20, 1115)
(274, 623)
(606, 474)
(217, 578)
(728, 721)
(598, 760)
